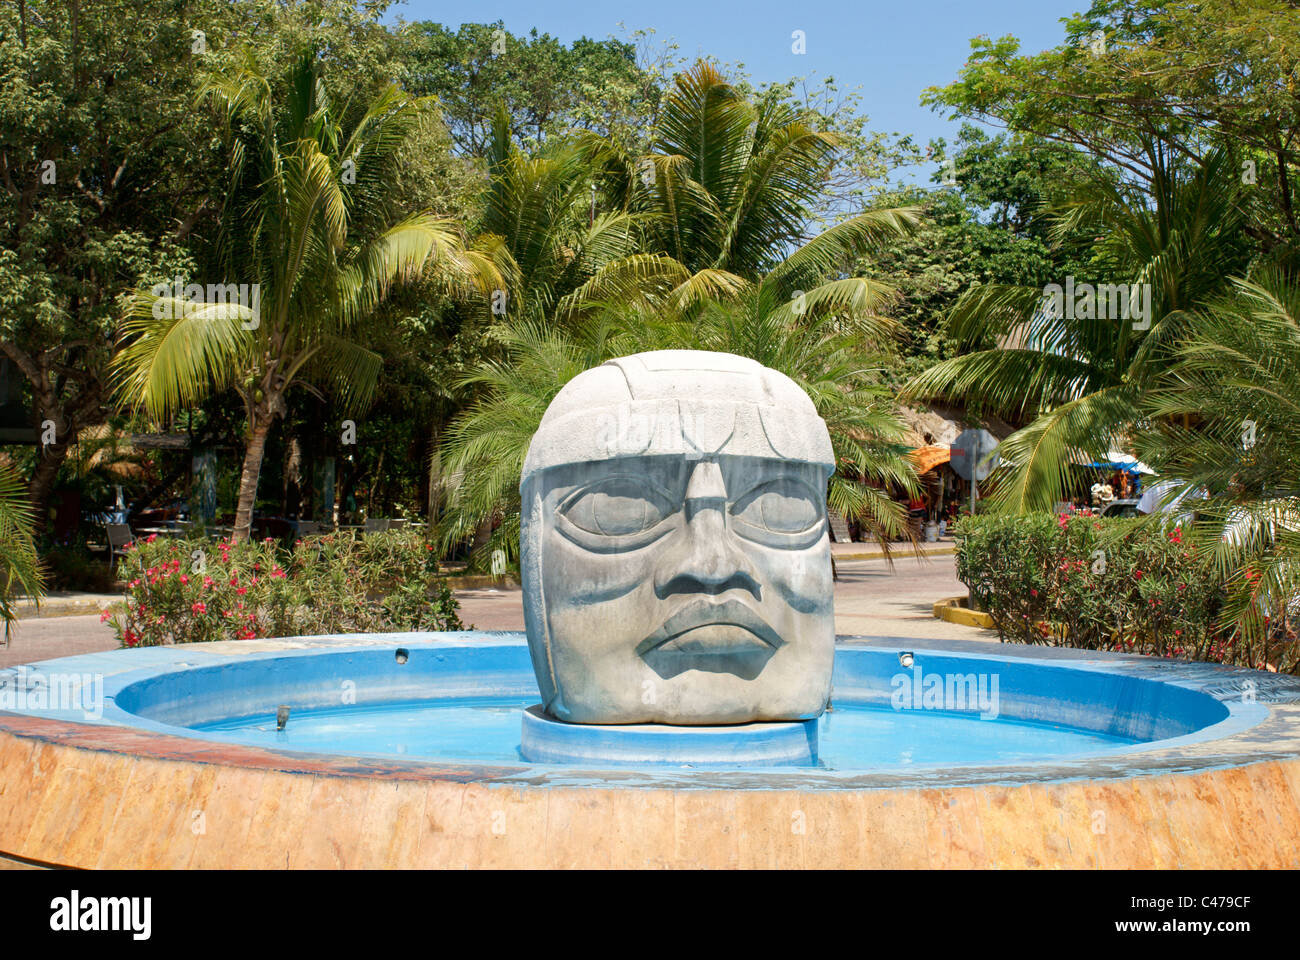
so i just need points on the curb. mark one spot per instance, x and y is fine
(482, 581)
(955, 610)
(73, 608)
(897, 554)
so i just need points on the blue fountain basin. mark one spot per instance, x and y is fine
(460, 697)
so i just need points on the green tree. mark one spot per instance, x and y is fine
(102, 177)
(547, 89)
(827, 351)
(723, 206)
(1224, 429)
(110, 178)
(1194, 74)
(986, 226)
(1078, 373)
(307, 222)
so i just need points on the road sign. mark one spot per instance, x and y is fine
(971, 453)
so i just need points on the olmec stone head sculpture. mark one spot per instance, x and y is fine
(675, 553)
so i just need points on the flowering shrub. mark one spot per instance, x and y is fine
(1080, 581)
(190, 591)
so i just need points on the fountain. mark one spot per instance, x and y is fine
(679, 698)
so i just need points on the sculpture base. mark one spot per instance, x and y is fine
(547, 740)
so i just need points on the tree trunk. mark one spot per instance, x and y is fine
(41, 485)
(248, 480)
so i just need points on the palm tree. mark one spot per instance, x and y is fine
(1078, 376)
(718, 213)
(1226, 425)
(20, 568)
(307, 226)
(724, 196)
(826, 340)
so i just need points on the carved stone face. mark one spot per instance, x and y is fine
(676, 561)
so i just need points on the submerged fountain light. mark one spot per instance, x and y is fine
(905, 658)
(403, 655)
(281, 717)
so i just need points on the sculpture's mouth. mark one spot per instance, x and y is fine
(726, 637)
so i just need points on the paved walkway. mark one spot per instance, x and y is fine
(870, 598)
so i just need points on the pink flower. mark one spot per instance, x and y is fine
(103, 617)
(184, 579)
(151, 538)
(242, 590)
(278, 573)
(199, 607)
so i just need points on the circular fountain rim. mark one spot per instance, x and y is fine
(1273, 720)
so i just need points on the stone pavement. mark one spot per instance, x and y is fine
(870, 598)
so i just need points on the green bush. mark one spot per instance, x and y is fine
(190, 591)
(1080, 581)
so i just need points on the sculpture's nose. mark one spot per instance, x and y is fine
(705, 558)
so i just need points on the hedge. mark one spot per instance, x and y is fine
(190, 591)
(1080, 581)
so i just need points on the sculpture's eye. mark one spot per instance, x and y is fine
(617, 507)
(783, 507)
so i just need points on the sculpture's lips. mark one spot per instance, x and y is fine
(708, 628)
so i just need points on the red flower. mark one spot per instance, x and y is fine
(184, 579)
(199, 607)
(1137, 574)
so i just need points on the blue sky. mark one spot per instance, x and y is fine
(893, 49)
